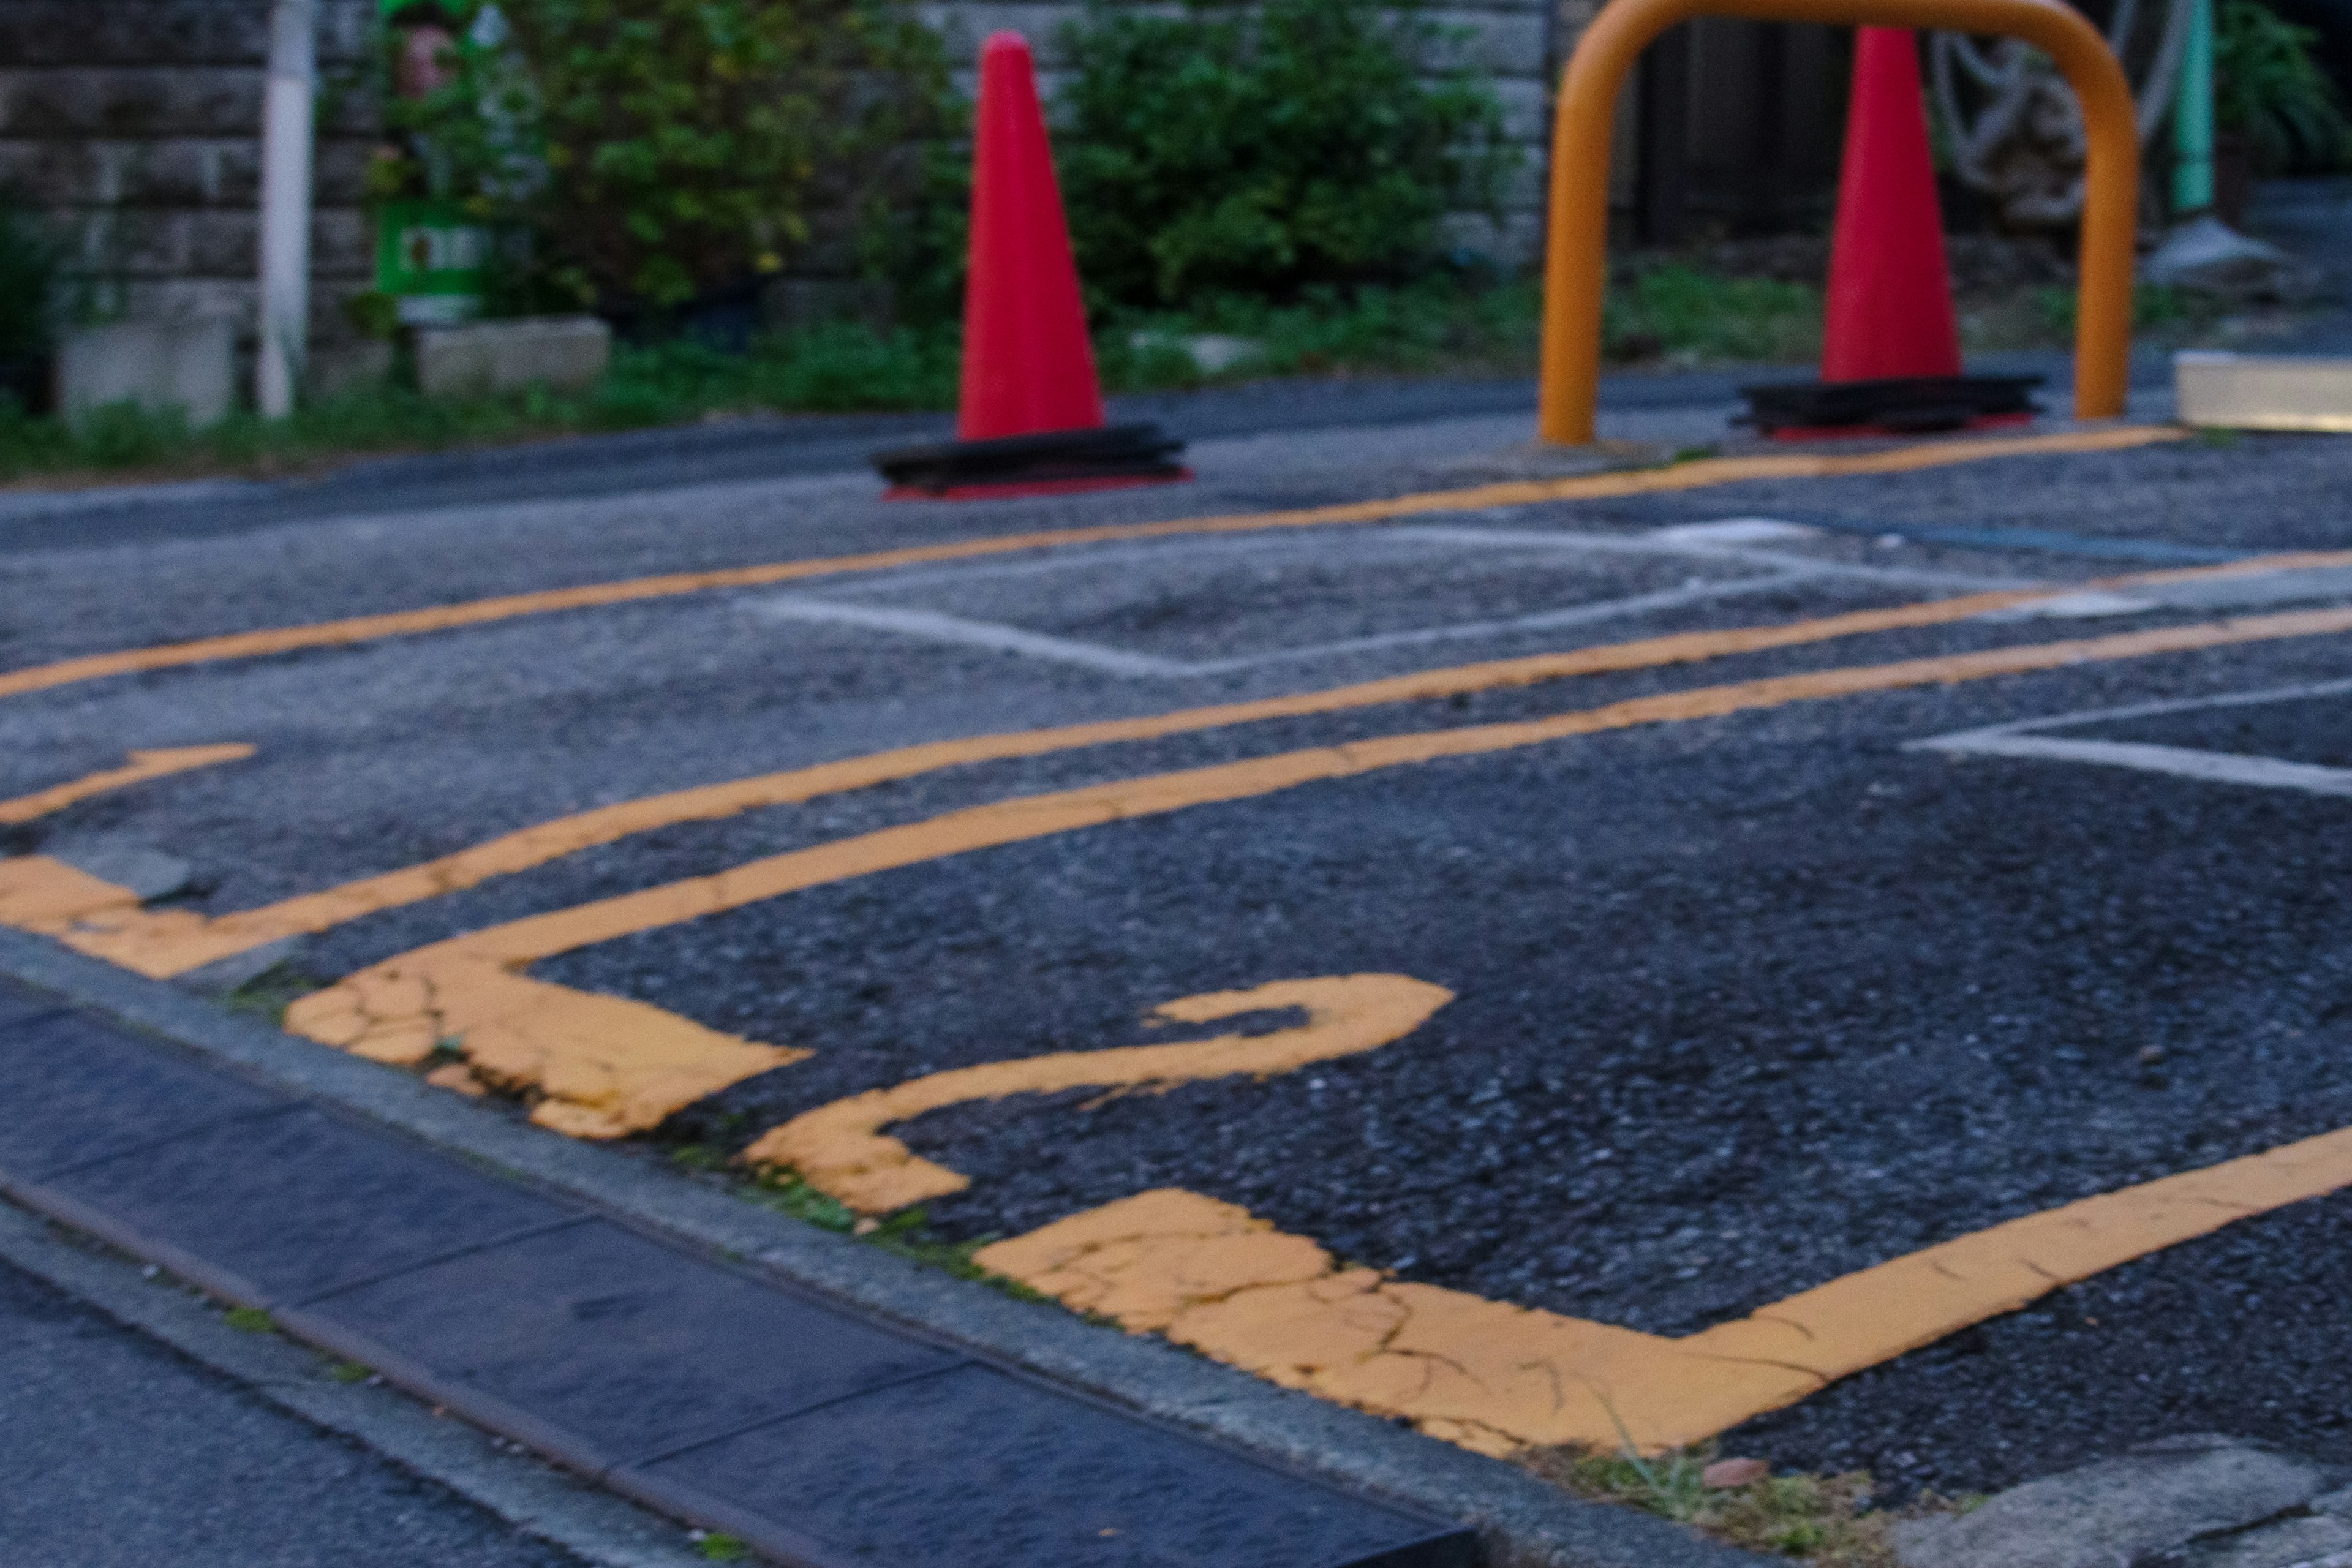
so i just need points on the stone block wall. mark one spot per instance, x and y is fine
(136, 126)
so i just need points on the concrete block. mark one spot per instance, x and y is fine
(184, 364)
(505, 356)
(142, 102)
(2263, 392)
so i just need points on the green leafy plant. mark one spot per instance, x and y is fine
(1266, 149)
(2269, 89)
(659, 149)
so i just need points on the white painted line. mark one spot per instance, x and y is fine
(1714, 544)
(1542, 621)
(1373, 541)
(2208, 767)
(932, 626)
(2021, 739)
(2089, 604)
(2152, 710)
(1050, 559)
(2245, 590)
(1763, 560)
(998, 637)
(1734, 530)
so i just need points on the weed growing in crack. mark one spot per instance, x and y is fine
(268, 994)
(905, 1235)
(250, 1320)
(1821, 1519)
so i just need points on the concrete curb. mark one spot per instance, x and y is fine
(1523, 1523)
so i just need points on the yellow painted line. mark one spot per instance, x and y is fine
(1496, 1377)
(840, 1149)
(164, 942)
(143, 766)
(481, 612)
(470, 990)
(49, 898)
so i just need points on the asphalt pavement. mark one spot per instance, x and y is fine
(120, 1453)
(1798, 926)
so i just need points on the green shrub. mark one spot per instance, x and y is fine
(1265, 148)
(2268, 88)
(658, 148)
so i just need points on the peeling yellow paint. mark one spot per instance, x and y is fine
(448, 991)
(143, 766)
(1495, 1377)
(602, 1066)
(481, 612)
(48, 897)
(840, 1149)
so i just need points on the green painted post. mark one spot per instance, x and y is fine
(2192, 118)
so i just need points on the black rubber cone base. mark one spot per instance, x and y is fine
(1052, 461)
(1909, 405)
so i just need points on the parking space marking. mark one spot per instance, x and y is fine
(1665, 541)
(472, 987)
(993, 637)
(2206, 593)
(1725, 542)
(841, 1149)
(1496, 1377)
(160, 943)
(2180, 761)
(1698, 475)
(2021, 739)
(999, 638)
(141, 767)
(1694, 593)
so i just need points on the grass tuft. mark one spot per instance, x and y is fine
(250, 1320)
(268, 994)
(1821, 1519)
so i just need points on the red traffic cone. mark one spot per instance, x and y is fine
(1891, 344)
(1030, 415)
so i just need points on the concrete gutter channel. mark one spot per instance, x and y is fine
(825, 1401)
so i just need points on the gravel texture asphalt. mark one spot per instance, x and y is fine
(117, 1451)
(1743, 1003)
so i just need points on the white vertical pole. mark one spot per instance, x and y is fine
(285, 136)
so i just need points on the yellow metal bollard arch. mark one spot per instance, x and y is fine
(1576, 250)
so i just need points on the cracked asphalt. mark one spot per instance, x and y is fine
(1743, 1003)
